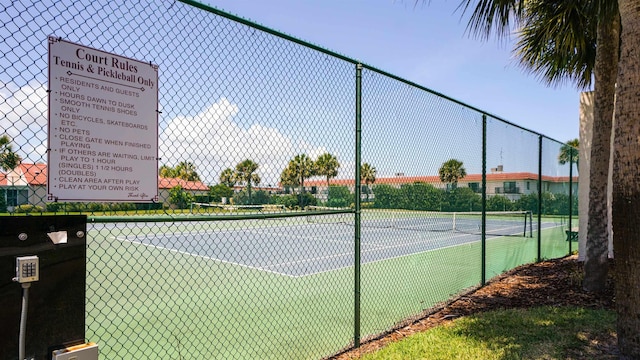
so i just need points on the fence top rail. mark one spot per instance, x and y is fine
(282, 35)
(191, 218)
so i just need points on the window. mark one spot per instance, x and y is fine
(528, 188)
(475, 187)
(17, 197)
(510, 187)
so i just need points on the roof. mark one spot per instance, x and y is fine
(36, 175)
(168, 183)
(399, 180)
(33, 174)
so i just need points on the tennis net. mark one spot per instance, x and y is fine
(498, 223)
(222, 208)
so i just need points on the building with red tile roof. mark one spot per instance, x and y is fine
(511, 185)
(27, 184)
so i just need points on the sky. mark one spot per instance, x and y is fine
(426, 43)
(228, 92)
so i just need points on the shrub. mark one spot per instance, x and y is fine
(217, 192)
(28, 208)
(339, 196)
(499, 203)
(462, 199)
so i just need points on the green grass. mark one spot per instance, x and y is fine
(146, 302)
(537, 333)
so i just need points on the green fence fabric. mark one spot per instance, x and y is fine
(304, 198)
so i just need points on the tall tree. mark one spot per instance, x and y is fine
(167, 171)
(327, 165)
(227, 178)
(569, 152)
(558, 40)
(301, 167)
(289, 178)
(626, 183)
(368, 176)
(617, 36)
(590, 36)
(185, 170)
(9, 160)
(246, 173)
(451, 171)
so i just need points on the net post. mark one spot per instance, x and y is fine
(530, 224)
(357, 181)
(453, 227)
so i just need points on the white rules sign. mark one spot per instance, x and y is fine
(103, 126)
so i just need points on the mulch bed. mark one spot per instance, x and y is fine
(548, 283)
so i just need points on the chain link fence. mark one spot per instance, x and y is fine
(306, 202)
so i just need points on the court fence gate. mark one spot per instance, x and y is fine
(306, 202)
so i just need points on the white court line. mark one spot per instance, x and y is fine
(205, 257)
(373, 248)
(298, 236)
(405, 255)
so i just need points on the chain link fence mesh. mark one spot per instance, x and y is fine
(257, 246)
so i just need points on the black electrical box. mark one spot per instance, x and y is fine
(56, 301)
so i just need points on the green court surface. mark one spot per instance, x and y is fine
(155, 302)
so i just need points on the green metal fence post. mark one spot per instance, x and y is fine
(356, 325)
(539, 256)
(569, 237)
(484, 199)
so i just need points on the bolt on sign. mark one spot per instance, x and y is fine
(103, 126)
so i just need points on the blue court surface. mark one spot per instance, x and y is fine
(303, 248)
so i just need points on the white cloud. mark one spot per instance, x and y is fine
(23, 113)
(213, 142)
(209, 139)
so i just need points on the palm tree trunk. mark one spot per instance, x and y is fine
(626, 183)
(301, 195)
(327, 189)
(597, 244)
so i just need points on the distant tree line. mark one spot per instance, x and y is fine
(423, 196)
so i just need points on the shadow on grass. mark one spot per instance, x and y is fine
(536, 333)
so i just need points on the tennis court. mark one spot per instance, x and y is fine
(312, 244)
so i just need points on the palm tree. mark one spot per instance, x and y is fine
(245, 172)
(184, 170)
(327, 165)
(300, 167)
(187, 170)
(227, 178)
(590, 23)
(569, 152)
(368, 176)
(614, 27)
(167, 171)
(9, 160)
(289, 177)
(451, 171)
(626, 189)
(558, 40)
